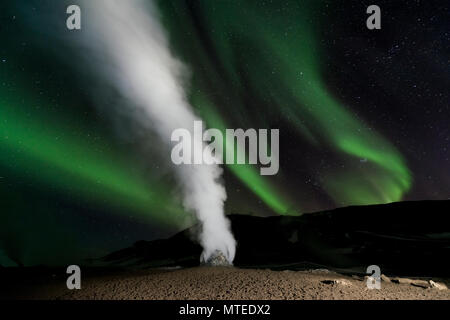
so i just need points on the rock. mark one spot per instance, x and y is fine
(342, 282)
(217, 259)
(400, 280)
(385, 278)
(356, 277)
(438, 285)
(421, 284)
(321, 270)
(414, 282)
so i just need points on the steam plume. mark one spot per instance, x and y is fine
(128, 39)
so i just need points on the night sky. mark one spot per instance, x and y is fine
(363, 116)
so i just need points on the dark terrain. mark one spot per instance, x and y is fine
(321, 255)
(405, 238)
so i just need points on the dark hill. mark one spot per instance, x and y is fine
(405, 238)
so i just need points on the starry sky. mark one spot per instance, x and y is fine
(363, 117)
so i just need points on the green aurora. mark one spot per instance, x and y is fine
(285, 70)
(90, 170)
(276, 59)
(282, 66)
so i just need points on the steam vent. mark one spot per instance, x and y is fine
(217, 259)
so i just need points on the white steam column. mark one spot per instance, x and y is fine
(130, 49)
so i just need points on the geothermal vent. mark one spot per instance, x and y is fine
(217, 259)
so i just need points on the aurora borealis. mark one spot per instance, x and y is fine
(363, 118)
(290, 45)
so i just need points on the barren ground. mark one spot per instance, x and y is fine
(231, 283)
